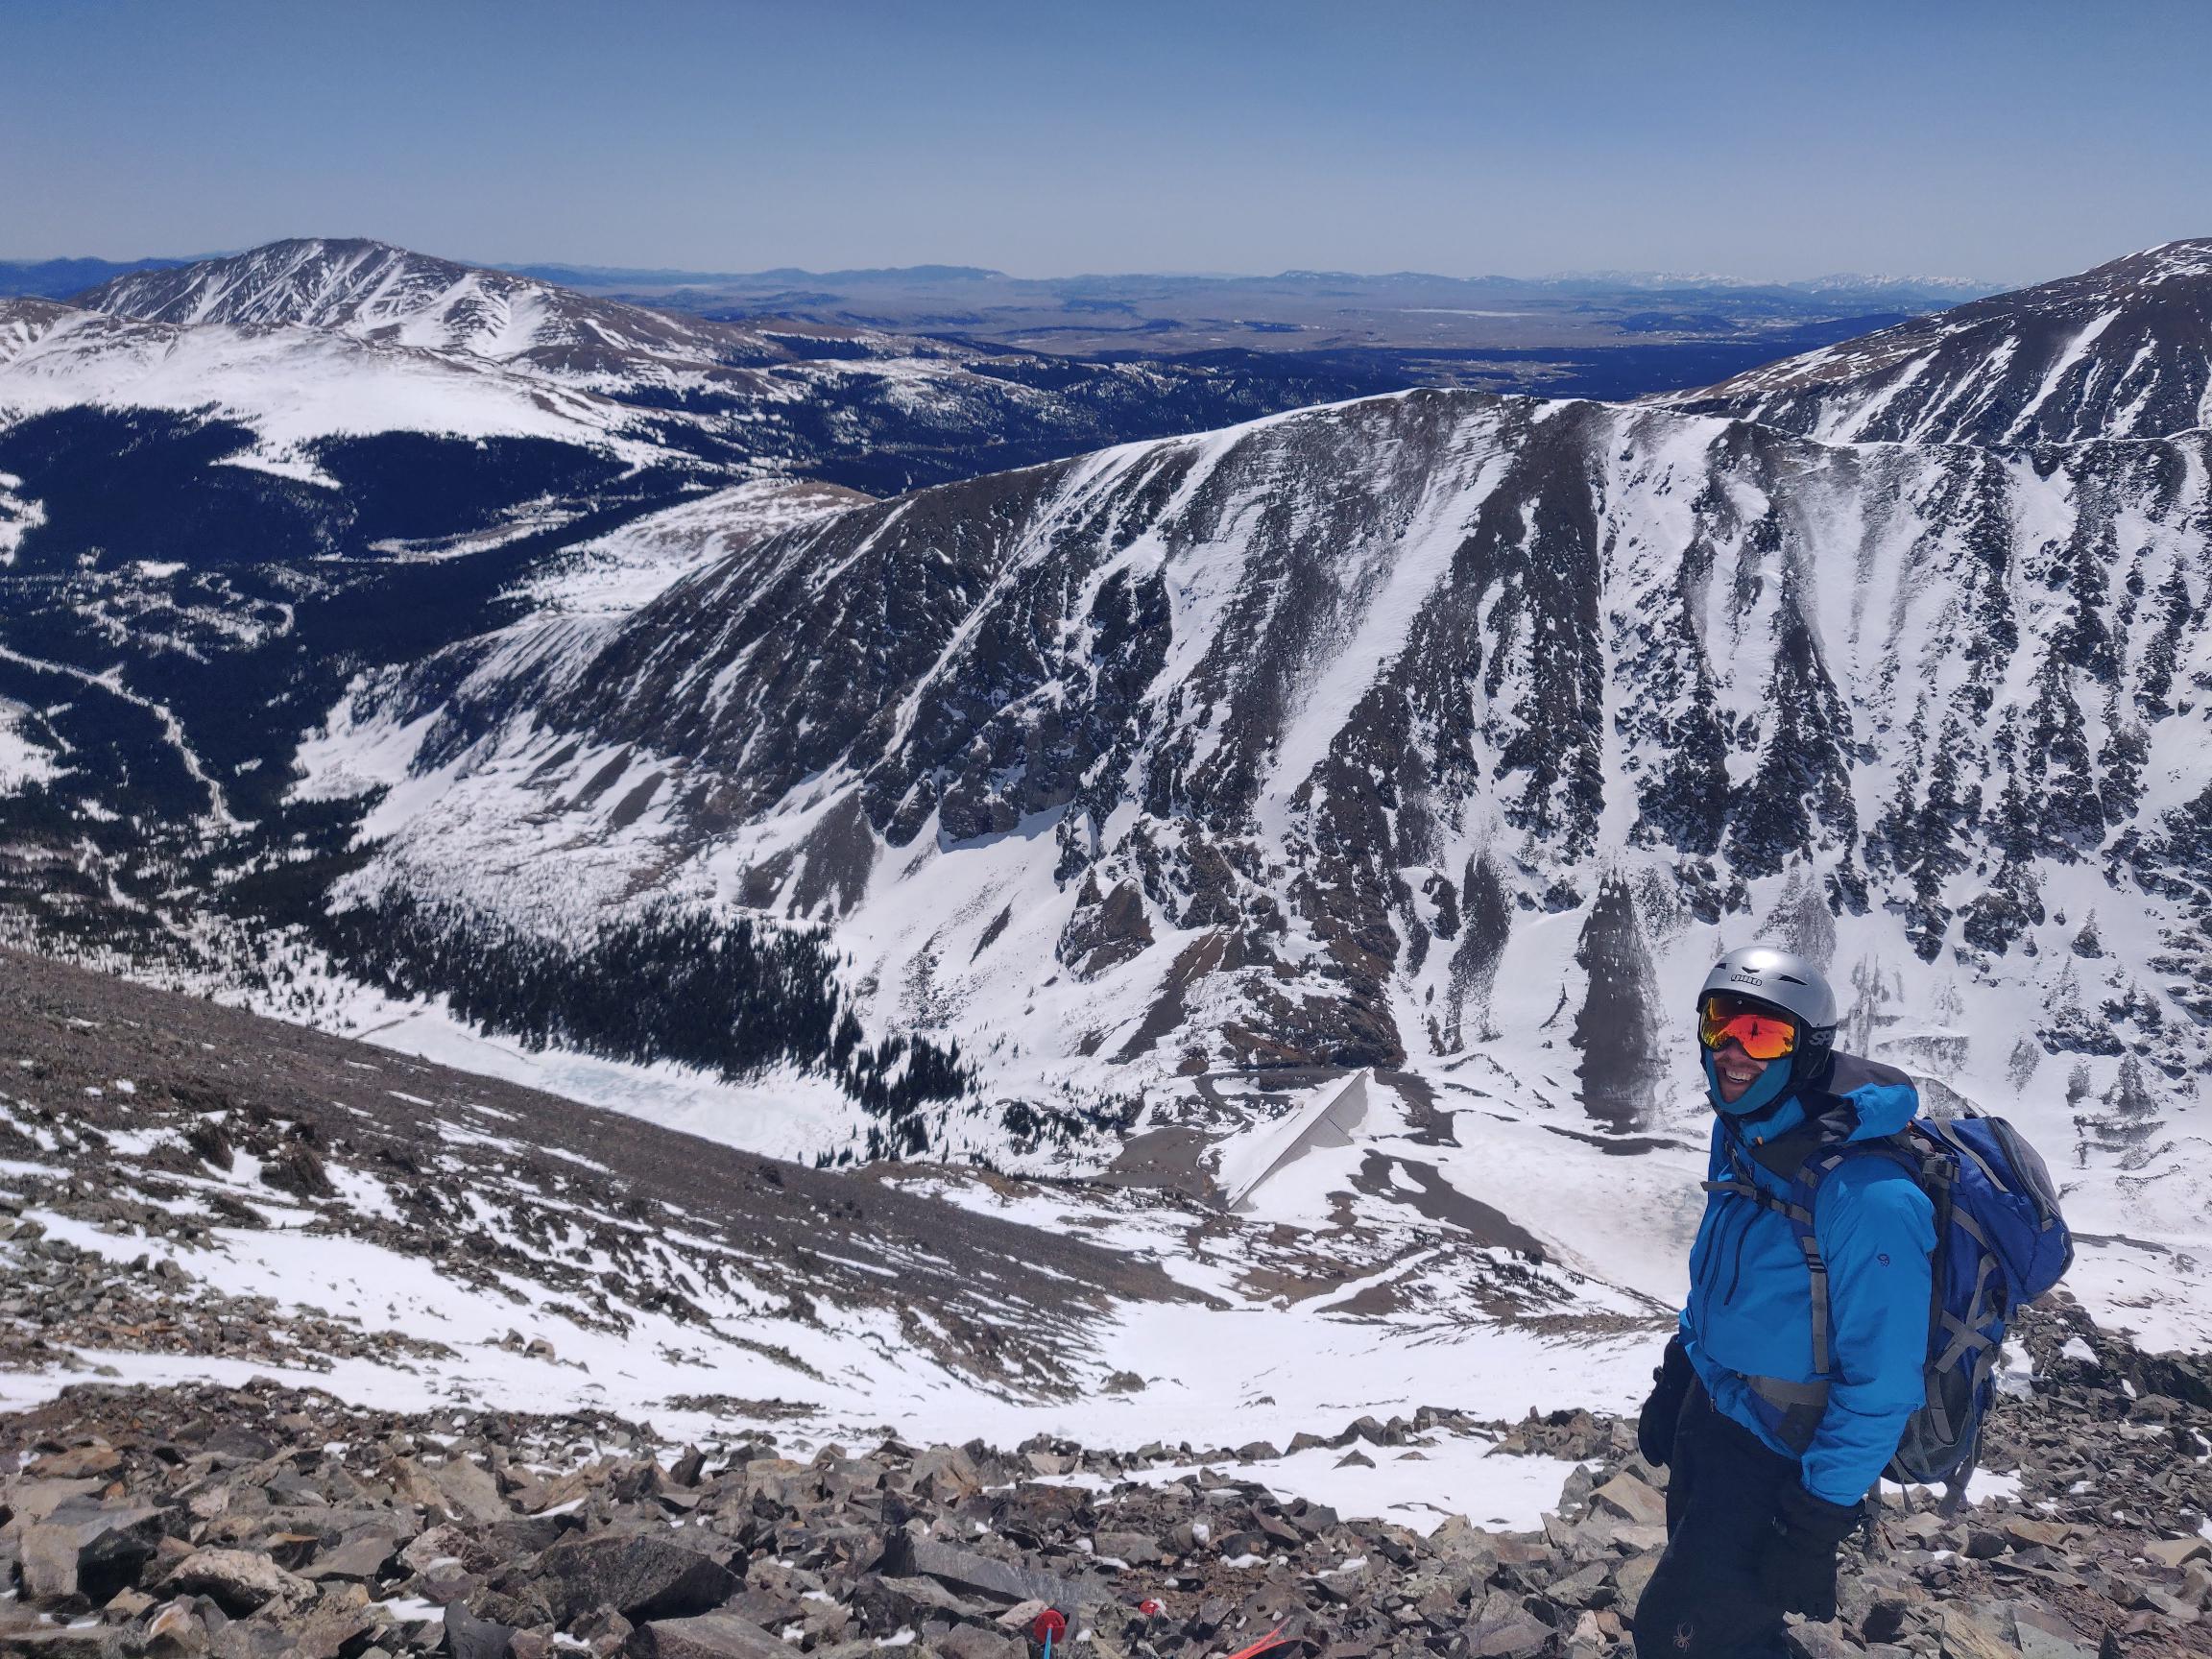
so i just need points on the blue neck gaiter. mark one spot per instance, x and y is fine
(1773, 1083)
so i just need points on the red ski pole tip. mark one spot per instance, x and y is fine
(1273, 1638)
(1051, 1625)
(1150, 1608)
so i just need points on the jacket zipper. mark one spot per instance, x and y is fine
(1704, 1286)
(1743, 1229)
(1725, 1247)
(1736, 1264)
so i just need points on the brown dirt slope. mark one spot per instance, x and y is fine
(476, 1164)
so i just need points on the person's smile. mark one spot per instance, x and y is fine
(1736, 1071)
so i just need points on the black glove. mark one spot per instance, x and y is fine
(1655, 1424)
(1797, 1564)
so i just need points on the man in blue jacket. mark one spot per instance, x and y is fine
(1777, 1408)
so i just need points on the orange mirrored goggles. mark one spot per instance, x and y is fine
(1762, 1033)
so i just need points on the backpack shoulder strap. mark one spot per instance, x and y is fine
(1796, 1208)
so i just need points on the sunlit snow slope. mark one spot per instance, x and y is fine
(290, 385)
(193, 1193)
(2121, 351)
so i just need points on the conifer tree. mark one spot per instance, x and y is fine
(2069, 816)
(1617, 1029)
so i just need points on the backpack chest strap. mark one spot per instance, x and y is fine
(1797, 1215)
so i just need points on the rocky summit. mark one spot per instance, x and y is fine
(258, 1519)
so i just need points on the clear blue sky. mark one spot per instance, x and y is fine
(1768, 137)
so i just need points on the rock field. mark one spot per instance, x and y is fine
(264, 1521)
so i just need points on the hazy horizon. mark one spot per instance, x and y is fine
(1987, 142)
(1706, 273)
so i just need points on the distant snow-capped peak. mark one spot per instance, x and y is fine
(393, 296)
(290, 386)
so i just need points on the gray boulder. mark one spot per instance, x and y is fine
(639, 1575)
(239, 1581)
(708, 1636)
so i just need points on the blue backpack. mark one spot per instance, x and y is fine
(2000, 1244)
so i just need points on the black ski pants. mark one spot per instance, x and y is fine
(1722, 1483)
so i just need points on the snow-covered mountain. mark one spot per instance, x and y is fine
(1444, 733)
(312, 338)
(290, 386)
(374, 291)
(2121, 351)
(226, 490)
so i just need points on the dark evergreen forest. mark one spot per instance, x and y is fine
(666, 984)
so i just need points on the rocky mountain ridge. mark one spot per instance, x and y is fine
(1270, 713)
(2124, 351)
(374, 291)
(270, 1164)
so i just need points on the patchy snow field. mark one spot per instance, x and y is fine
(444, 1239)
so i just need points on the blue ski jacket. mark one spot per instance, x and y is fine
(1747, 1324)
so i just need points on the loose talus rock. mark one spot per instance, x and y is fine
(199, 1522)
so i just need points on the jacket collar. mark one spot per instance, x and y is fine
(1849, 1099)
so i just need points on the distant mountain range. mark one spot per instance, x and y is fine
(63, 279)
(1936, 289)
(1608, 335)
(59, 279)
(1299, 311)
(308, 340)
